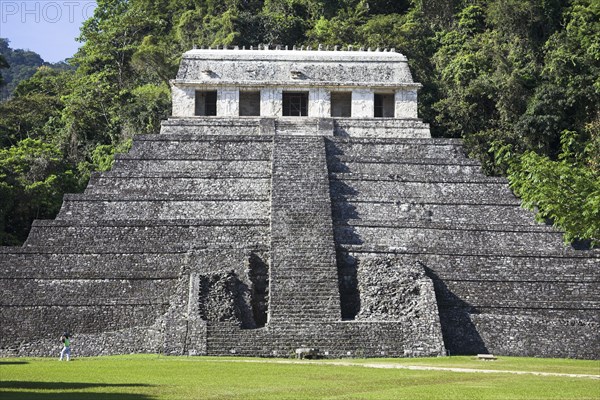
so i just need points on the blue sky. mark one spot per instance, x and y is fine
(47, 27)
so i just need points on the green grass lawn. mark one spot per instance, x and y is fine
(142, 377)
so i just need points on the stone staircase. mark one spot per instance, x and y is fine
(304, 304)
(303, 275)
(333, 339)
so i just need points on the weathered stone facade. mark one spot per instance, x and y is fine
(241, 231)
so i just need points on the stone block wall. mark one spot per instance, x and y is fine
(107, 268)
(404, 338)
(45, 292)
(364, 127)
(504, 283)
(163, 235)
(369, 127)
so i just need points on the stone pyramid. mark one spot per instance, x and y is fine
(268, 234)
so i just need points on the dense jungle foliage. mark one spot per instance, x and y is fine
(518, 80)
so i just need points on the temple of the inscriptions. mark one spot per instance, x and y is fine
(294, 203)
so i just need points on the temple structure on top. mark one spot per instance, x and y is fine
(283, 83)
(295, 204)
(343, 92)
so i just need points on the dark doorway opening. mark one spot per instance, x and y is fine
(249, 103)
(206, 103)
(258, 272)
(341, 104)
(384, 105)
(295, 104)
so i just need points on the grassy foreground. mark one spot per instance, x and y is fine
(145, 377)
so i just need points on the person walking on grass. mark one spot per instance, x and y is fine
(66, 350)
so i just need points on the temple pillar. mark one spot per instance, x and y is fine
(271, 102)
(363, 103)
(228, 102)
(319, 103)
(184, 101)
(406, 103)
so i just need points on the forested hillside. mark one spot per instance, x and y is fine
(19, 65)
(519, 80)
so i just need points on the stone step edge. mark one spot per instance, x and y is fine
(178, 137)
(97, 276)
(456, 142)
(513, 203)
(421, 224)
(198, 137)
(71, 305)
(179, 175)
(447, 277)
(352, 176)
(135, 250)
(185, 157)
(359, 159)
(566, 253)
(493, 261)
(169, 175)
(411, 161)
(127, 197)
(153, 222)
(473, 308)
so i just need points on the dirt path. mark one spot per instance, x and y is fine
(418, 368)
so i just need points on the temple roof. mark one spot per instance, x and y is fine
(294, 68)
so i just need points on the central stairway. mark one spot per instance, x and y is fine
(303, 277)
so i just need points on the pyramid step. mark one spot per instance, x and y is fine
(416, 223)
(209, 147)
(149, 235)
(251, 127)
(404, 212)
(107, 207)
(210, 168)
(394, 149)
(579, 266)
(194, 187)
(408, 171)
(415, 192)
(430, 240)
(458, 250)
(21, 264)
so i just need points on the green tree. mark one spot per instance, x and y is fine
(33, 178)
(342, 29)
(36, 103)
(3, 64)
(286, 21)
(102, 158)
(466, 61)
(153, 60)
(565, 192)
(564, 185)
(148, 105)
